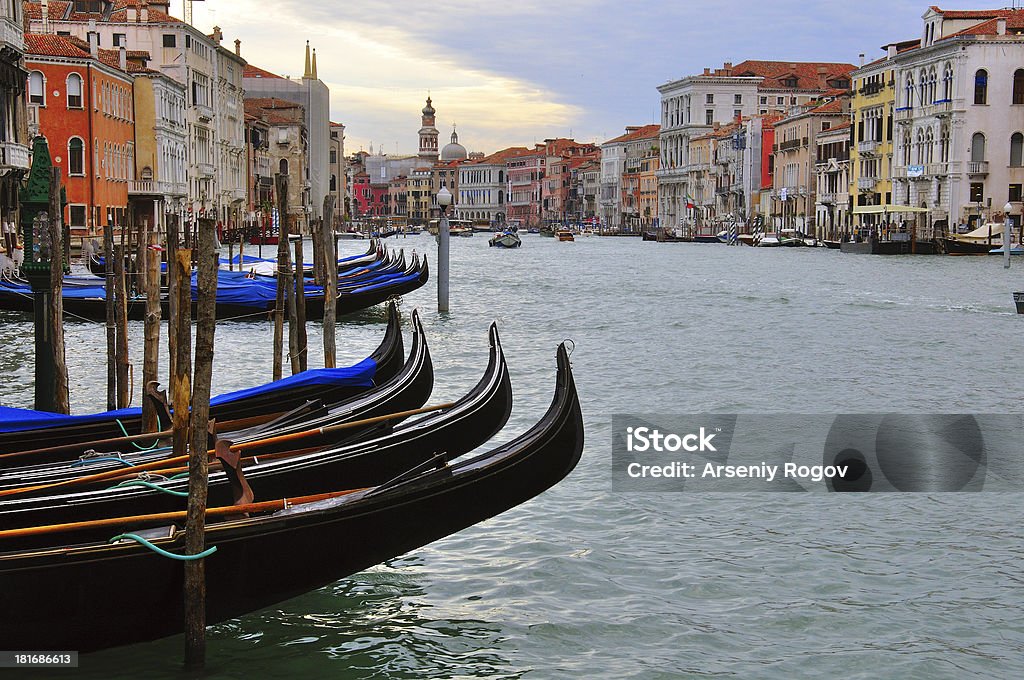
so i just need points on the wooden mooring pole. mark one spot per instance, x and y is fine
(281, 186)
(195, 525)
(108, 254)
(329, 255)
(151, 343)
(61, 398)
(302, 345)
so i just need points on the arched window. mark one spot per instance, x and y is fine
(334, 183)
(283, 166)
(909, 102)
(919, 154)
(944, 143)
(36, 88)
(501, 196)
(933, 87)
(76, 156)
(947, 82)
(1018, 86)
(981, 87)
(74, 91)
(922, 87)
(977, 147)
(929, 145)
(1017, 150)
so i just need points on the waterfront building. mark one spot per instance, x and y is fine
(361, 198)
(730, 168)
(420, 195)
(959, 137)
(259, 173)
(211, 74)
(444, 174)
(622, 162)
(398, 190)
(585, 187)
(483, 187)
(525, 173)
(14, 149)
(81, 97)
(794, 198)
(832, 177)
(690, 107)
(338, 183)
(288, 152)
(315, 98)
(559, 155)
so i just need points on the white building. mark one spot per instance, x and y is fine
(832, 172)
(483, 187)
(959, 124)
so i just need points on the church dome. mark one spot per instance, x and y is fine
(454, 151)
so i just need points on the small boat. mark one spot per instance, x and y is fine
(1018, 299)
(769, 240)
(565, 235)
(506, 239)
(461, 231)
(1015, 249)
(350, 235)
(723, 236)
(546, 231)
(832, 245)
(88, 596)
(705, 238)
(745, 239)
(533, 230)
(791, 238)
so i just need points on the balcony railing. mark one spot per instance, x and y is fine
(936, 169)
(155, 188)
(11, 34)
(793, 144)
(13, 155)
(904, 115)
(977, 168)
(205, 169)
(866, 183)
(869, 147)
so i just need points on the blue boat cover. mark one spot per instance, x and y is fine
(359, 375)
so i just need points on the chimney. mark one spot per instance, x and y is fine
(217, 34)
(727, 66)
(707, 71)
(890, 52)
(133, 14)
(144, 12)
(1001, 26)
(46, 16)
(94, 48)
(862, 59)
(238, 47)
(122, 58)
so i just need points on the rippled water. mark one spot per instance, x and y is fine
(585, 583)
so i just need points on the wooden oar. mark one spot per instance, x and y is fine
(226, 426)
(164, 462)
(126, 474)
(262, 506)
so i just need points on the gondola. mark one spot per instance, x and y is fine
(467, 424)
(407, 390)
(356, 298)
(98, 595)
(22, 430)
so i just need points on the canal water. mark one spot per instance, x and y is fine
(583, 582)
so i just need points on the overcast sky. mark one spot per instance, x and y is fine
(515, 72)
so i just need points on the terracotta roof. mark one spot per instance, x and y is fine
(57, 8)
(645, 132)
(54, 46)
(499, 157)
(251, 71)
(833, 106)
(839, 126)
(269, 103)
(810, 75)
(1014, 24)
(969, 13)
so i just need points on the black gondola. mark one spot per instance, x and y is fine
(469, 423)
(354, 299)
(388, 357)
(93, 596)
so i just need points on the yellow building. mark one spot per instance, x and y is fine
(871, 153)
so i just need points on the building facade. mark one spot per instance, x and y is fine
(338, 182)
(832, 172)
(160, 183)
(14, 149)
(288, 151)
(483, 187)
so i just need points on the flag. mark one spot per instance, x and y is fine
(689, 202)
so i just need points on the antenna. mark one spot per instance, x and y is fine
(188, 10)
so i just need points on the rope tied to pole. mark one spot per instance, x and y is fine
(160, 551)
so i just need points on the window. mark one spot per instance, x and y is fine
(1016, 150)
(283, 166)
(36, 85)
(764, 100)
(170, 40)
(1018, 86)
(792, 101)
(981, 87)
(737, 114)
(334, 156)
(710, 99)
(120, 40)
(909, 101)
(74, 88)
(977, 147)
(76, 215)
(737, 99)
(1014, 193)
(76, 156)
(779, 101)
(977, 192)
(709, 117)
(947, 83)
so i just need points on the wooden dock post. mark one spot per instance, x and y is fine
(195, 524)
(61, 398)
(329, 255)
(181, 372)
(171, 257)
(301, 344)
(109, 288)
(281, 186)
(121, 326)
(151, 346)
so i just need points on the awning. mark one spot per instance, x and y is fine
(879, 209)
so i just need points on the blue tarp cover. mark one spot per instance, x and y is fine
(359, 375)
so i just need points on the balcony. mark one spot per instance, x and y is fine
(936, 169)
(13, 155)
(203, 112)
(871, 89)
(205, 170)
(148, 187)
(793, 144)
(866, 183)
(977, 168)
(11, 34)
(904, 115)
(868, 147)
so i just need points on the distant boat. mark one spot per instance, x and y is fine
(832, 245)
(533, 230)
(1018, 299)
(1015, 249)
(769, 240)
(565, 235)
(506, 239)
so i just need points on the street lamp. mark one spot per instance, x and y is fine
(1007, 226)
(444, 199)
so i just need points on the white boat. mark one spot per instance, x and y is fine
(769, 240)
(506, 239)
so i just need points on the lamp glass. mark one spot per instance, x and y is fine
(444, 197)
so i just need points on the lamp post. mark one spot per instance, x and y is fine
(1007, 226)
(444, 199)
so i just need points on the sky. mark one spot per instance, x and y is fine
(515, 73)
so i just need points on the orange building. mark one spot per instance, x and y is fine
(81, 98)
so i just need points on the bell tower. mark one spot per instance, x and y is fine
(428, 135)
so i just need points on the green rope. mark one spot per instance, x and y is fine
(138, 446)
(150, 485)
(160, 551)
